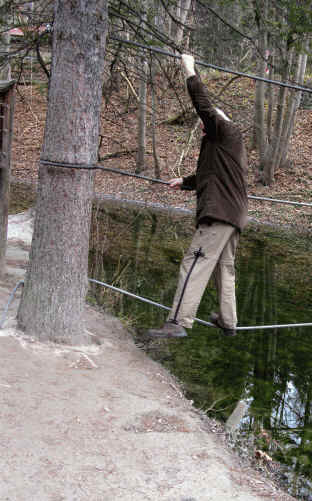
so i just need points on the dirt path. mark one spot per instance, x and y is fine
(103, 423)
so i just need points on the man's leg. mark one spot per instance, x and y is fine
(210, 240)
(225, 282)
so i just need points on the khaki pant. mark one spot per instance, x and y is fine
(217, 244)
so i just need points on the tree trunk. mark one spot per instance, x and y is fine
(259, 115)
(182, 13)
(157, 167)
(270, 100)
(260, 133)
(271, 162)
(140, 161)
(293, 106)
(142, 118)
(56, 283)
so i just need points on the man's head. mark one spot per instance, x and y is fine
(222, 114)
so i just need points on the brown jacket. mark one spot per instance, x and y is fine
(220, 179)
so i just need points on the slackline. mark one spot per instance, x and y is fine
(155, 180)
(208, 324)
(69, 165)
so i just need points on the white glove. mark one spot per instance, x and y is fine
(188, 65)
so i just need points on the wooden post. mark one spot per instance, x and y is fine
(7, 97)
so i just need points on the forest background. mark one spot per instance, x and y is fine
(147, 124)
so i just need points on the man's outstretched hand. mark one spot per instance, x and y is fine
(176, 183)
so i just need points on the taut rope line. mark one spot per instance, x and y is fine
(151, 179)
(159, 305)
(208, 324)
(213, 66)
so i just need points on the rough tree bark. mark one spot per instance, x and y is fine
(56, 283)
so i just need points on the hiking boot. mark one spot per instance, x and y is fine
(168, 330)
(214, 319)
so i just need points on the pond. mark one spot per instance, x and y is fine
(269, 371)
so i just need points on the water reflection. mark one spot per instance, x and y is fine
(271, 370)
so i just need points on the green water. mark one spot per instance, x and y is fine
(271, 370)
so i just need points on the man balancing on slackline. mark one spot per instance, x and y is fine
(220, 185)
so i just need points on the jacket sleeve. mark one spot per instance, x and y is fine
(201, 102)
(189, 183)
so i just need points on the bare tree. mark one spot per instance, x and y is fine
(183, 8)
(56, 283)
(142, 106)
(288, 51)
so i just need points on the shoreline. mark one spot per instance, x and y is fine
(261, 220)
